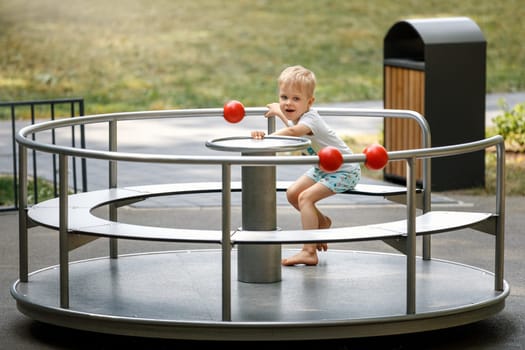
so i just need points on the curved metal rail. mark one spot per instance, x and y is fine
(226, 162)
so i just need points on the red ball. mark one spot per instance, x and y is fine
(233, 111)
(330, 159)
(376, 156)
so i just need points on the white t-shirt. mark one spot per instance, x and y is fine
(323, 135)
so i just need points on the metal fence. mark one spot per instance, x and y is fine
(15, 114)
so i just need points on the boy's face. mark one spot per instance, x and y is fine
(293, 101)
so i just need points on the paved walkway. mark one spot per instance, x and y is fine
(505, 330)
(164, 136)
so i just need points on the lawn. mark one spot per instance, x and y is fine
(125, 55)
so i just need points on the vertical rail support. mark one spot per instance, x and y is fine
(271, 125)
(113, 214)
(34, 158)
(13, 145)
(500, 218)
(22, 214)
(411, 236)
(83, 146)
(73, 144)
(63, 231)
(54, 156)
(427, 189)
(426, 245)
(226, 242)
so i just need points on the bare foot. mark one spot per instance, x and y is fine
(322, 247)
(326, 223)
(303, 257)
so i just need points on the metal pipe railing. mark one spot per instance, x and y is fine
(409, 156)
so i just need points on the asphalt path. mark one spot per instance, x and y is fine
(506, 330)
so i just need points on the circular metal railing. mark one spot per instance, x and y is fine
(64, 152)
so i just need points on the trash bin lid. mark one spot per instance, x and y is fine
(438, 30)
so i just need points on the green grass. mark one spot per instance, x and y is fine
(125, 55)
(514, 168)
(7, 195)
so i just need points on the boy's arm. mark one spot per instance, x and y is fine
(296, 130)
(275, 110)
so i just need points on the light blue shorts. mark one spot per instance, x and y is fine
(338, 181)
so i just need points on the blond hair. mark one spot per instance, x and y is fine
(300, 78)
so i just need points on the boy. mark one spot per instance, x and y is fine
(296, 96)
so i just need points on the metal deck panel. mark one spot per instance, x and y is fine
(177, 294)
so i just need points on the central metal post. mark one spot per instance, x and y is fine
(259, 263)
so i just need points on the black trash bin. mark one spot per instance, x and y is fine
(437, 67)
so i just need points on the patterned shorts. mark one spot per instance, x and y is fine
(338, 181)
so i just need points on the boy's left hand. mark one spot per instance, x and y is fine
(258, 134)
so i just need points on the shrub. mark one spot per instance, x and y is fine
(7, 194)
(511, 125)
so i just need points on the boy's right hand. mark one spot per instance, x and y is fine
(258, 134)
(273, 110)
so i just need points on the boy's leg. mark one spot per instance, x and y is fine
(295, 189)
(311, 218)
